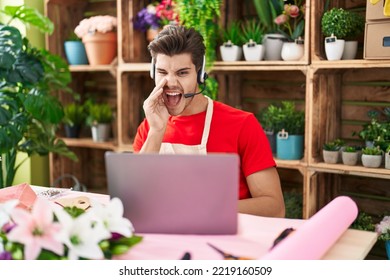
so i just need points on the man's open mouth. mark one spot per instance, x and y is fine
(172, 98)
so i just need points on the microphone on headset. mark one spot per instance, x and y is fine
(188, 95)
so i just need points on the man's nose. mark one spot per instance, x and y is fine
(171, 80)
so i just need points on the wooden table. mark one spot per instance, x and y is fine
(254, 239)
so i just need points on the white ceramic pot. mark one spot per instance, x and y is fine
(387, 160)
(350, 158)
(230, 52)
(101, 132)
(350, 50)
(331, 156)
(334, 49)
(292, 51)
(273, 44)
(371, 161)
(253, 52)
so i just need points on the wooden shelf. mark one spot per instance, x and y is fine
(291, 164)
(89, 68)
(134, 67)
(348, 64)
(234, 66)
(350, 170)
(89, 143)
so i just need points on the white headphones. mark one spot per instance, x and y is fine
(201, 77)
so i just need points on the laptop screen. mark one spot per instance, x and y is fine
(178, 194)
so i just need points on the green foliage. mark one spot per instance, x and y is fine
(203, 15)
(335, 145)
(29, 16)
(212, 88)
(233, 33)
(74, 114)
(336, 22)
(357, 22)
(99, 113)
(270, 118)
(374, 151)
(288, 118)
(350, 149)
(294, 204)
(363, 222)
(252, 30)
(374, 130)
(29, 114)
(267, 11)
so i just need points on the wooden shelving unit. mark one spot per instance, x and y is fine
(328, 91)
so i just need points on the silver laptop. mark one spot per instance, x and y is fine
(176, 194)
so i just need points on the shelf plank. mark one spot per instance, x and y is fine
(134, 67)
(220, 66)
(89, 143)
(347, 64)
(89, 68)
(356, 170)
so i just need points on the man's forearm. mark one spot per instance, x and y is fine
(262, 206)
(152, 143)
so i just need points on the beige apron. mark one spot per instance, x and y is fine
(169, 148)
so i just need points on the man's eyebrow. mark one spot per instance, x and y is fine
(179, 70)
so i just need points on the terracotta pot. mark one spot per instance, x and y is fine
(101, 48)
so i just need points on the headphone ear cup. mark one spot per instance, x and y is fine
(202, 75)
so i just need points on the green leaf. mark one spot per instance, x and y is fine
(44, 107)
(30, 16)
(10, 45)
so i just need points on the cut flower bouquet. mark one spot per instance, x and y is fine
(291, 22)
(103, 24)
(52, 232)
(156, 15)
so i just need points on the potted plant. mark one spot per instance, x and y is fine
(356, 28)
(289, 141)
(373, 130)
(383, 230)
(252, 35)
(331, 151)
(74, 117)
(231, 49)
(372, 157)
(267, 11)
(387, 157)
(292, 25)
(98, 34)
(269, 119)
(99, 118)
(334, 24)
(350, 155)
(29, 113)
(75, 50)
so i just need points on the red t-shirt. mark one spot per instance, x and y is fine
(231, 131)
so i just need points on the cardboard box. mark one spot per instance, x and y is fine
(375, 12)
(377, 40)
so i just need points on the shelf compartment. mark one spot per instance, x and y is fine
(317, 46)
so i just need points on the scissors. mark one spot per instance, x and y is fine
(227, 256)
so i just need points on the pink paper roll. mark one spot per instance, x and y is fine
(318, 234)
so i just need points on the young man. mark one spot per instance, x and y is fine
(181, 120)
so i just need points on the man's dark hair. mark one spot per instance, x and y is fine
(176, 39)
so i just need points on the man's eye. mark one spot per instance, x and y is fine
(183, 73)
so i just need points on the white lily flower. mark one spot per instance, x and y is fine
(5, 211)
(112, 217)
(82, 235)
